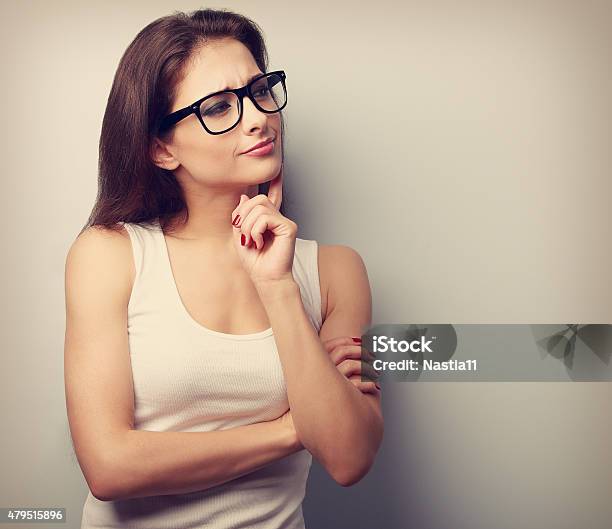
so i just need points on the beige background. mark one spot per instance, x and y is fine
(463, 148)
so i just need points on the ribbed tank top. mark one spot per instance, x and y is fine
(188, 378)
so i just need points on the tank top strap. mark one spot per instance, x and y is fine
(306, 274)
(150, 283)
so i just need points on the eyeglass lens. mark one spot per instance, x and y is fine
(221, 112)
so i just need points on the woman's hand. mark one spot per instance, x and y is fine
(348, 357)
(285, 421)
(268, 236)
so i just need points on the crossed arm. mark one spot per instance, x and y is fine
(341, 426)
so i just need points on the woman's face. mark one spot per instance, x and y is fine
(197, 157)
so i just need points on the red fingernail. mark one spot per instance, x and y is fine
(235, 221)
(355, 339)
(242, 239)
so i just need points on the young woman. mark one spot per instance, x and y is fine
(210, 352)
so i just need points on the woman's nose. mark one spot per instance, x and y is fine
(251, 115)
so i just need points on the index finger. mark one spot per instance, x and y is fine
(332, 343)
(275, 191)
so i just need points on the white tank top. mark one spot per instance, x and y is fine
(188, 378)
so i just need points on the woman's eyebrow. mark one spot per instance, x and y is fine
(248, 81)
(229, 88)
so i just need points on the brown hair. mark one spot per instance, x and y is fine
(131, 188)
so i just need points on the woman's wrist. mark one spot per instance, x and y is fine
(278, 289)
(289, 438)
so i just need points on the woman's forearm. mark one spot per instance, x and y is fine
(146, 463)
(333, 420)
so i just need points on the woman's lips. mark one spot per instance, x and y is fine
(262, 151)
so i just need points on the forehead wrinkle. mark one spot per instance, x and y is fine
(227, 87)
(197, 56)
(220, 44)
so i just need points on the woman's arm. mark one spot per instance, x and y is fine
(341, 426)
(143, 463)
(119, 462)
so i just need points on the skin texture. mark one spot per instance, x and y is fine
(247, 289)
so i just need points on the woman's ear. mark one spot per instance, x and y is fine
(162, 157)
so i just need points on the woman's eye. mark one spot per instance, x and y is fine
(217, 109)
(263, 92)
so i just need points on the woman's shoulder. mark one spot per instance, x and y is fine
(337, 259)
(103, 251)
(99, 240)
(340, 268)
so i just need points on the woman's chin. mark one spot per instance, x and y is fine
(267, 174)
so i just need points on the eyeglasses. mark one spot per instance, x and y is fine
(222, 111)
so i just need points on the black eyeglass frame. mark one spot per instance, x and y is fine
(194, 108)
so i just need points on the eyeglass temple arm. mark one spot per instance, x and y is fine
(175, 117)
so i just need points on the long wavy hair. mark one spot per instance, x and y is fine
(131, 188)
